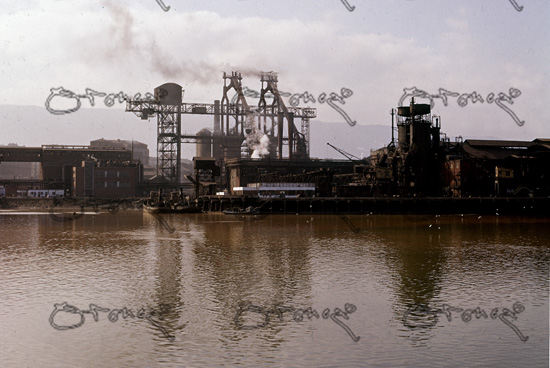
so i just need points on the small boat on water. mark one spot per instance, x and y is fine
(184, 208)
(177, 203)
(155, 207)
(243, 211)
(170, 209)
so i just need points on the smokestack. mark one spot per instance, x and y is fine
(217, 141)
(216, 116)
(412, 123)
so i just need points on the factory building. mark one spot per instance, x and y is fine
(249, 144)
(499, 168)
(139, 150)
(107, 179)
(267, 146)
(239, 130)
(320, 173)
(57, 164)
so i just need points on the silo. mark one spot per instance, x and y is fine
(232, 146)
(204, 145)
(403, 135)
(272, 146)
(217, 141)
(413, 126)
(422, 135)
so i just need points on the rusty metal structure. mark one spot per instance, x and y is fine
(412, 167)
(233, 124)
(418, 157)
(297, 142)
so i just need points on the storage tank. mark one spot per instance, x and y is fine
(232, 147)
(403, 134)
(204, 145)
(217, 141)
(413, 126)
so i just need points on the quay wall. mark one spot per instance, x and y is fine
(16, 202)
(361, 205)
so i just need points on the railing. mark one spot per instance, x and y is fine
(209, 109)
(58, 147)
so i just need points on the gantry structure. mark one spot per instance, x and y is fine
(232, 123)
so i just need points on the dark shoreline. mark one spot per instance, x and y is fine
(13, 203)
(370, 205)
(318, 205)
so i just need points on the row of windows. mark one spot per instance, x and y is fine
(112, 184)
(111, 174)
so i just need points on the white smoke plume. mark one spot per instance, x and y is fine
(261, 149)
(256, 140)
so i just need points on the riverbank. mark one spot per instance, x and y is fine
(25, 203)
(7, 203)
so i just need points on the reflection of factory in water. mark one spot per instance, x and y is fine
(257, 153)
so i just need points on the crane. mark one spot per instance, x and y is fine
(349, 156)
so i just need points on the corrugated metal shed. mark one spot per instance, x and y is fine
(495, 150)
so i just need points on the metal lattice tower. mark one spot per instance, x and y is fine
(296, 141)
(305, 132)
(168, 106)
(168, 144)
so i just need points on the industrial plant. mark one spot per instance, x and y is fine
(259, 155)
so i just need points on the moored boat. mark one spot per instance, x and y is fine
(243, 211)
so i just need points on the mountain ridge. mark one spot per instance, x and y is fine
(34, 126)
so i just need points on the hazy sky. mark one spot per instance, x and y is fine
(377, 50)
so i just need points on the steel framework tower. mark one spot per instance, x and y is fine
(168, 107)
(297, 142)
(168, 144)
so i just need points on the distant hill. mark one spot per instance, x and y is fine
(357, 140)
(33, 126)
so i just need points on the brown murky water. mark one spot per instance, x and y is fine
(316, 291)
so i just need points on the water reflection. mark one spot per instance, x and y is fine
(167, 270)
(454, 253)
(295, 278)
(252, 262)
(414, 255)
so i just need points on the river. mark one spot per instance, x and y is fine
(135, 290)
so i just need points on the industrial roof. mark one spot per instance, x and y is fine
(495, 150)
(497, 143)
(117, 142)
(544, 142)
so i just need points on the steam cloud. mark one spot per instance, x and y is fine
(262, 148)
(256, 140)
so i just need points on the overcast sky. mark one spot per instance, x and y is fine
(377, 50)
